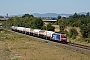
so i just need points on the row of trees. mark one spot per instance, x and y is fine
(77, 20)
(28, 21)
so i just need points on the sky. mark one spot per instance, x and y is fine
(13, 7)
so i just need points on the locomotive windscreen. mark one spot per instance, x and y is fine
(63, 36)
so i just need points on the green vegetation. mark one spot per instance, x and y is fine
(28, 21)
(1, 29)
(50, 27)
(24, 21)
(82, 21)
(73, 33)
(62, 25)
(43, 28)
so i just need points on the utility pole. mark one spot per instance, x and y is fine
(6, 19)
(6, 24)
(46, 32)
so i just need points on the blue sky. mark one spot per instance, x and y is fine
(13, 7)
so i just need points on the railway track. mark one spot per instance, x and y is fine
(72, 45)
(79, 46)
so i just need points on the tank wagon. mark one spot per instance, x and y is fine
(42, 34)
(14, 28)
(50, 35)
(31, 32)
(36, 32)
(24, 31)
(20, 29)
(27, 31)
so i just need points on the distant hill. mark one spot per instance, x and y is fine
(82, 13)
(44, 15)
(49, 14)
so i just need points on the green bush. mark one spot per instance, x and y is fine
(87, 40)
(73, 37)
(43, 28)
(50, 27)
(1, 29)
(84, 40)
(73, 33)
(66, 32)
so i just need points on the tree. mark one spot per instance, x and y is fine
(75, 15)
(27, 15)
(73, 33)
(59, 17)
(83, 16)
(62, 25)
(43, 28)
(50, 27)
(37, 23)
(84, 31)
(88, 14)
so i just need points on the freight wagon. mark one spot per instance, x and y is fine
(42, 34)
(27, 31)
(48, 34)
(36, 32)
(31, 32)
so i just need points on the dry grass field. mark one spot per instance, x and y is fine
(19, 47)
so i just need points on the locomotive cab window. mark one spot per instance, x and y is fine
(63, 36)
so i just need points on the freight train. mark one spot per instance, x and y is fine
(44, 34)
